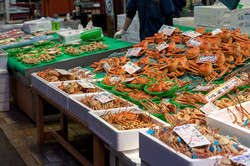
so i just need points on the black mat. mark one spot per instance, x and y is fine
(8, 154)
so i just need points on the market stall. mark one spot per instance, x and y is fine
(161, 101)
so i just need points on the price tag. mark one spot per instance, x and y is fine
(104, 98)
(223, 89)
(133, 51)
(209, 57)
(89, 25)
(191, 136)
(95, 80)
(162, 46)
(194, 42)
(129, 79)
(106, 66)
(86, 84)
(192, 34)
(167, 30)
(216, 31)
(203, 88)
(242, 159)
(209, 108)
(63, 72)
(131, 68)
(115, 79)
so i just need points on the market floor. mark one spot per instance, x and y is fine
(21, 132)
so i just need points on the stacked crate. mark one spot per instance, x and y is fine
(132, 34)
(4, 82)
(213, 17)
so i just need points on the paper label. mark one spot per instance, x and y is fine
(95, 80)
(133, 51)
(104, 98)
(209, 108)
(89, 25)
(162, 46)
(129, 79)
(194, 42)
(242, 159)
(63, 72)
(86, 84)
(106, 66)
(115, 79)
(191, 136)
(131, 68)
(222, 89)
(167, 30)
(207, 57)
(203, 88)
(216, 31)
(192, 34)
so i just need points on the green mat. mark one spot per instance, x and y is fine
(113, 43)
(8, 154)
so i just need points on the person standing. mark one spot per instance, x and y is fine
(152, 15)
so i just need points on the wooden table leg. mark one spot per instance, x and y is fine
(98, 150)
(40, 120)
(64, 125)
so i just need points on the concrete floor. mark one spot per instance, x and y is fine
(21, 132)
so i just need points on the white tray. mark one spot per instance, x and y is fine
(81, 110)
(119, 140)
(39, 83)
(223, 119)
(155, 152)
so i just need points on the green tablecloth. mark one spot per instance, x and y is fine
(16, 65)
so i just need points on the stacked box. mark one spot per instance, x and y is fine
(4, 90)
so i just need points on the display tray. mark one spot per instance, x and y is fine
(117, 139)
(224, 119)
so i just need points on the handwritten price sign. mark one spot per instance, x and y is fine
(243, 159)
(191, 34)
(203, 88)
(194, 42)
(131, 68)
(63, 72)
(106, 66)
(191, 136)
(216, 31)
(207, 57)
(167, 30)
(133, 51)
(104, 98)
(162, 46)
(86, 84)
(223, 89)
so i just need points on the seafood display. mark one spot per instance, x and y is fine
(140, 80)
(112, 81)
(162, 107)
(51, 75)
(140, 95)
(76, 88)
(187, 98)
(161, 86)
(46, 57)
(93, 47)
(33, 60)
(122, 88)
(128, 120)
(72, 50)
(94, 104)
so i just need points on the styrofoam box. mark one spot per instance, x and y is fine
(4, 77)
(4, 106)
(70, 36)
(81, 110)
(59, 96)
(3, 62)
(39, 83)
(223, 119)
(155, 152)
(119, 140)
(184, 21)
(37, 25)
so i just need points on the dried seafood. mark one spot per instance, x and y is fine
(93, 46)
(72, 50)
(51, 75)
(46, 57)
(33, 60)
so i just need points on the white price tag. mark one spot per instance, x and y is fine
(167, 30)
(131, 68)
(191, 136)
(86, 84)
(209, 57)
(133, 51)
(192, 34)
(89, 25)
(223, 89)
(203, 88)
(209, 108)
(115, 79)
(162, 46)
(216, 31)
(242, 159)
(63, 72)
(106, 66)
(95, 80)
(194, 42)
(104, 98)
(129, 79)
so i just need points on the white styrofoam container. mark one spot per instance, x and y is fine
(155, 152)
(184, 21)
(119, 140)
(37, 25)
(81, 110)
(223, 119)
(58, 96)
(4, 106)
(39, 83)
(70, 36)
(4, 76)
(3, 62)
(4, 97)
